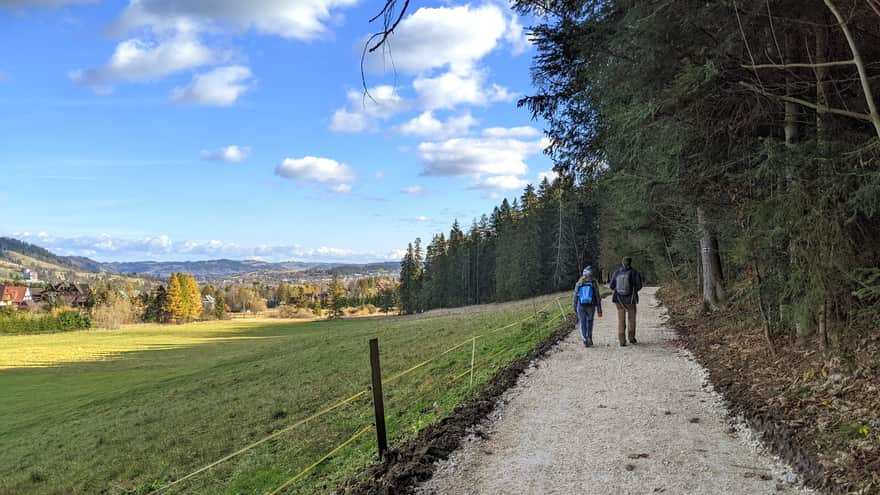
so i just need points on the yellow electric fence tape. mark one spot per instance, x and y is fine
(319, 461)
(335, 406)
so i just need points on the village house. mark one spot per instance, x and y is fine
(69, 294)
(208, 302)
(15, 296)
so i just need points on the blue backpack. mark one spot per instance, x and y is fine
(585, 294)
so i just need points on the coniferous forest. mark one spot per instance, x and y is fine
(732, 147)
(536, 244)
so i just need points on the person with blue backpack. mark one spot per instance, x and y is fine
(626, 284)
(587, 302)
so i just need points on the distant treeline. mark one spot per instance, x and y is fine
(536, 245)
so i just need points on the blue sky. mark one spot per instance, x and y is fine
(160, 129)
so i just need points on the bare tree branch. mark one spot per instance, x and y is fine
(802, 66)
(798, 101)
(746, 41)
(860, 65)
(391, 18)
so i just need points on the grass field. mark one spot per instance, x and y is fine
(130, 410)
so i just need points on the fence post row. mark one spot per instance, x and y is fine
(378, 403)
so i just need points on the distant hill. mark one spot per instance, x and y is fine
(200, 269)
(250, 269)
(15, 255)
(9, 247)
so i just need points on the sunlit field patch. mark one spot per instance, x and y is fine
(128, 411)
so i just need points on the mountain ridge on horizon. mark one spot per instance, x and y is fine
(202, 269)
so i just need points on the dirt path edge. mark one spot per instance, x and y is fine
(775, 435)
(416, 461)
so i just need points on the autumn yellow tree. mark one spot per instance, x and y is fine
(193, 296)
(175, 303)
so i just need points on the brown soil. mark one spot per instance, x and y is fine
(818, 410)
(404, 467)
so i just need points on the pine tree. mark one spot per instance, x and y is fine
(220, 306)
(337, 300)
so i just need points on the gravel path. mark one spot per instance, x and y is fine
(613, 420)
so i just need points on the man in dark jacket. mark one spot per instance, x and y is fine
(626, 284)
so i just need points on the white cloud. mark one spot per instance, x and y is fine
(426, 125)
(219, 87)
(451, 89)
(478, 156)
(422, 218)
(107, 247)
(140, 61)
(167, 33)
(292, 19)
(515, 37)
(504, 182)
(341, 188)
(231, 153)
(312, 168)
(511, 132)
(162, 242)
(550, 175)
(456, 37)
(346, 121)
(379, 174)
(363, 110)
(416, 189)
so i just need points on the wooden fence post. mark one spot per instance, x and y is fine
(378, 403)
(473, 356)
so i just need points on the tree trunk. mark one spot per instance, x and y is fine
(713, 291)
(791, 109)
(822, 88)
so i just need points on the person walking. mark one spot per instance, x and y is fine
(587, 302)
(625, 285)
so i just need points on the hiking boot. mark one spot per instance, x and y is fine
(623, 344)
(586, 344)
(589, 341)
(633, 341)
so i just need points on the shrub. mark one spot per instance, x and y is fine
(114, 314)
(58, 321)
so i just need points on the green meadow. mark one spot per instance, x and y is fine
(131, 410)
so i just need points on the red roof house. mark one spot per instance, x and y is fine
(12, 295)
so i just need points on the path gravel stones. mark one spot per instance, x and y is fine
(613, 420)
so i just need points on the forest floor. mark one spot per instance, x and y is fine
(818, 409)
(609, 419)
